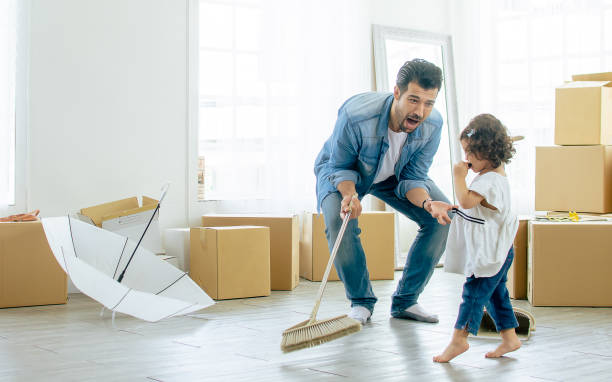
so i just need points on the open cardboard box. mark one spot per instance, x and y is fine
(128, 218)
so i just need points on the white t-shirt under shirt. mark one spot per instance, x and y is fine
(481, 249)
(396, 142)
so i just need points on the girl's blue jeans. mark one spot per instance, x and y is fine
(491, 292)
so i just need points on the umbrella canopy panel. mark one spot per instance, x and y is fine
(94, 258)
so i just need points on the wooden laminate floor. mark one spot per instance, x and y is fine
(239, 340)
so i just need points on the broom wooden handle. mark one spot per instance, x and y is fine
(332, 256)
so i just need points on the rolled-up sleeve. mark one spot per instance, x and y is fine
(415, 172)
(344, 153)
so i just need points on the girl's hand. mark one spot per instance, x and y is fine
(460, 170)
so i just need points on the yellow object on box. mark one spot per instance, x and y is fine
(29, 273)
(569, 263)
(583, 110)
(231, 262)
(284, 243)
(574, 178)
(377, 239)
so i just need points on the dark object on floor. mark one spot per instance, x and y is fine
(525, 320)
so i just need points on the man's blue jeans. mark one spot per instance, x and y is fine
(423, 255)
(491, 292)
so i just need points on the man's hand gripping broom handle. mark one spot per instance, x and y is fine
(332, 256)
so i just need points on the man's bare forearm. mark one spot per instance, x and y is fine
(417, 196)
(346, 188)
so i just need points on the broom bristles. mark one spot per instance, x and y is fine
(303, 335)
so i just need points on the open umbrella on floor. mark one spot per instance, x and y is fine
(119, 274)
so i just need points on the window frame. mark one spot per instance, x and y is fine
(20, 203)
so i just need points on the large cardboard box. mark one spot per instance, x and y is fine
(569, 264)
(517, 274)
(377, 239)
(284, 243)
(29, 273)
(573, 178)
(127, 218)
(583, 110)
(231, 262)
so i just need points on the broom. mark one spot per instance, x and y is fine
(312, 332)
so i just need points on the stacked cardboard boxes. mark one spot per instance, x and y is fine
(284, 243)
(231, 262)
(574, 175)
(377, 239)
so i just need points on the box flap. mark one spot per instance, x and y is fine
(95, 213)
(607, 76)
(132, 211)
(585, 84)
(123, 207)
(146, 201)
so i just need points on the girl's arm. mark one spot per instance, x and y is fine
(466, 198)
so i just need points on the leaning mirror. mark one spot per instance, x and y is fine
(392, 48)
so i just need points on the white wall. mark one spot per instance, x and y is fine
(429, 16)
(107, 103)
(108, 97)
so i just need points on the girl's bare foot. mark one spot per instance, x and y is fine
(457, 346)
(510, 342)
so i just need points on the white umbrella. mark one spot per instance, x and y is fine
(119, 274)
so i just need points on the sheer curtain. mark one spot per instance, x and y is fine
(7, 103)
(295, 62)
(519, 52)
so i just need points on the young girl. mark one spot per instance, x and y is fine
(480, 240)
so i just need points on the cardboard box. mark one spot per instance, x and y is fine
(127, 218)
(517, 274)
(583, 110)
(377, 239)
(176, 243)
(574, 178)
(231, 262)
(29, 273)
(569, 264)
(284, 243)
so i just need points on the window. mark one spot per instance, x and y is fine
(234, 101)
(8, 77)
(272, 75)
(534, 47)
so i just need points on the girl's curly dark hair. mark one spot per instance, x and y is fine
(488, 139)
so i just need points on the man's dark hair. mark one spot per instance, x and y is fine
(488, 139)
(424, 73)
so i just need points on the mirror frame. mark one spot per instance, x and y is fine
(381, 33)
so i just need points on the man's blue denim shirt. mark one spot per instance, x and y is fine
(359, 142)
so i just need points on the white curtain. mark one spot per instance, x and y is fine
(7, 103)
(312, 56)
(512, 54)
